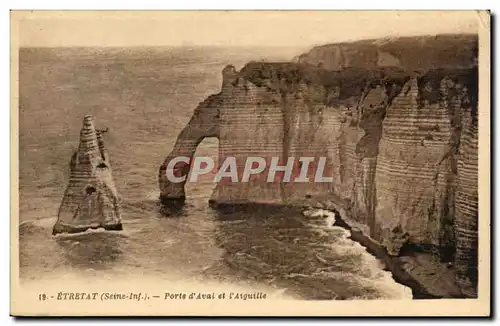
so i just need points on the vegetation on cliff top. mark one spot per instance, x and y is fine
(336, 87)
(410, 53)
(287, 77)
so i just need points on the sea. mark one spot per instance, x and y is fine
(145, 96)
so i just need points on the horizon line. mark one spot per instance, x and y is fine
(194, 45)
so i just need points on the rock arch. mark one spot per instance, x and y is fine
(204, 123)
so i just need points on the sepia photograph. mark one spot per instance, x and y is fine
(250, 163)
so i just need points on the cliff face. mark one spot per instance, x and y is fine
(466, 208)
(400, 139)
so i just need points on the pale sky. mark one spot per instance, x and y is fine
(243, 28)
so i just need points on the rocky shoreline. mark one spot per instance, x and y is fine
(421, 271)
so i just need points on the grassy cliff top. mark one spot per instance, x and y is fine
(409, 53)
(287, 77)
(422, 41)
(290, 73)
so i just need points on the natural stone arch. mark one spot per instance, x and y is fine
(203, 124)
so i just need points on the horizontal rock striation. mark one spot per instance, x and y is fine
(91, 199)
(466, 210)
(395, 119)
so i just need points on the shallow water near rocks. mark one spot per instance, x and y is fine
(303, 257)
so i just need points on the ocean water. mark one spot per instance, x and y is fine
(145, 97)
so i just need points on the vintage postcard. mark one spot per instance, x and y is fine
(250, 163)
